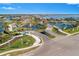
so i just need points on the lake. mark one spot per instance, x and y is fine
(1, 27)
(62, 25)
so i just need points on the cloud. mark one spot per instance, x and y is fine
(6, 3)
(72, 3)
(76, 4)
(8, 8)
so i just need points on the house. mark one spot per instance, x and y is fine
(43, 21)
(11, 27)
(49, 27)
(24, 19)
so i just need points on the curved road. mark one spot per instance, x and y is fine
(59, 46)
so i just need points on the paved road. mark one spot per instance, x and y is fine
(54, 33)
(63, 46)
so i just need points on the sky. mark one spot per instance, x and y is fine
(39, 8)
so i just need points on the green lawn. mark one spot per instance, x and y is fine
(4, 38)
(58, 32)
(72, 30)
(24, 41)
(54, 30)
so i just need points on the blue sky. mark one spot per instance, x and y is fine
(39, 8)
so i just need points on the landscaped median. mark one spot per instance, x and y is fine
(71, 31)
(20, 44)
(60, 30)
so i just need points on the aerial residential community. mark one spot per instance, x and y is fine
(23, 31)
(23, 34)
